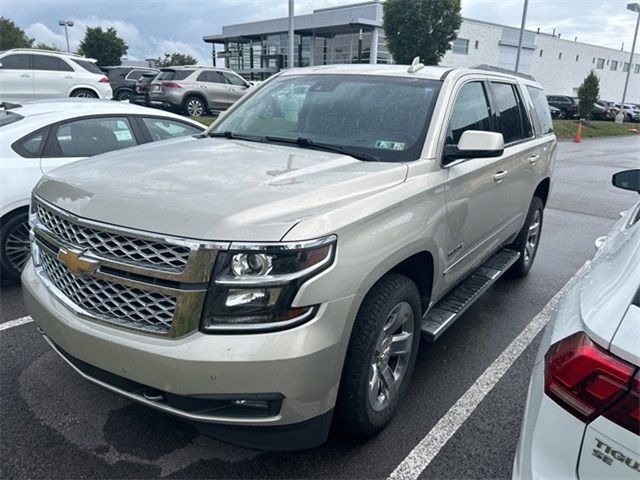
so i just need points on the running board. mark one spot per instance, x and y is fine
(442, 315)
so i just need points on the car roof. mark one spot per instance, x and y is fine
(38, 51)
(427, 72)
(45, 112)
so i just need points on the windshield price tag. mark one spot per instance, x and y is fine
(387, 145)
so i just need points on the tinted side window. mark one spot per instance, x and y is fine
(211, 77)
(135, 74)
(510, 122)
(32, 145)
(162, 129)
(16, 62)
(46, 62)
(470, 112)
(542, 109)
(88, 66)
(181, 74)
(91, 136)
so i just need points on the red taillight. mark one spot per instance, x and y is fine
(583, 378)
(626, 411)
(104, 80)
(171, 85)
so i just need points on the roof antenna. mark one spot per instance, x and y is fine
(415, 65)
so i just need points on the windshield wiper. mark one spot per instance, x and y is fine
(308, 143)
(234, 136)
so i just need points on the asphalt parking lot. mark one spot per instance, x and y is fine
(55, 425)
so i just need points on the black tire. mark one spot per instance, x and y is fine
(194, 106)
(354, 409)
(83, 93)
(561, 115)
(12, 237)
(525, 243)
(124, 95)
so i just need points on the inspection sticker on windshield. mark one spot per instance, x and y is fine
(387, 145)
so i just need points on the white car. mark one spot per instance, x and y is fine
(39, 136)
(30, 74)
(582, 418)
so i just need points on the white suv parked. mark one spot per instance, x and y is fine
(30, 74)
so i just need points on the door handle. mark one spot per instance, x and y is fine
(68, 76)
(25, 75)
(533, 159)
(499, 176)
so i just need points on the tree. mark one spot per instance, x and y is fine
(175, 58)
(103, 45)
(423, 28)
(44, 46)
(588, 94)
(12, 36)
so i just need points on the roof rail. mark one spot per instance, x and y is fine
(491, 68)
(40, 50)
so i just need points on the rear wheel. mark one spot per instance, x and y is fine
(194, 107)
(14, 246)
(528, 239)
(123, 95)
(83, 93)
(380, 357)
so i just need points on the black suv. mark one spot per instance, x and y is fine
(140, 94)
(123, 80)
(568, 105)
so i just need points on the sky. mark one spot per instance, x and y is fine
(154, 27)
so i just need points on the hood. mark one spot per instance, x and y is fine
(612, 282)
(214, 188)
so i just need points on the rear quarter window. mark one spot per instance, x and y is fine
(88, 66)
(174, 74)
(541, 108)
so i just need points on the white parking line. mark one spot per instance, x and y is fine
(423, 453)
(15, 323)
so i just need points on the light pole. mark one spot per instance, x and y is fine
(524, 19)
(65, 24)
(291, 35)
(634, 7)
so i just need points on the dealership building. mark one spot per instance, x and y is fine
(354, 34)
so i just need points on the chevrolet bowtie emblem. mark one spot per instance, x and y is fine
(76, 263)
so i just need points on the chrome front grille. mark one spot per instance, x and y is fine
(152, 254)
(112, 302)
(136, 280)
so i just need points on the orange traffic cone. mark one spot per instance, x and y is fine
(577, 138)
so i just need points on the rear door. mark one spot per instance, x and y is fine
(521, 151)
(475, 192)
(16, 78)
(52, 77)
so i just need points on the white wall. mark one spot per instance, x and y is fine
(561, 76)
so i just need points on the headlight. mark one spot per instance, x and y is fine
(253, 285)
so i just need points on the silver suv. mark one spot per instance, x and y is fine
(279, 270)
(196, 90)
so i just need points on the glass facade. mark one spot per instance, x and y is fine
(261, 57)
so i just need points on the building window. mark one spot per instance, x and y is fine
(600, 64)
(614, 65)
(637, 70)
(625, 67)
(476, 45)
(560, 56)
(594, 60)
(460, 45)
(541, 52)
(577, 57)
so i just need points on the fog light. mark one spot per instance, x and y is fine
(259, 404)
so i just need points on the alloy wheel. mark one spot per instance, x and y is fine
(533, 236)
(195, 108)
(391, 356)
(17, 248)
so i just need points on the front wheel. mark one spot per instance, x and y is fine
(528, 239)
(380, 357)
(15, 249)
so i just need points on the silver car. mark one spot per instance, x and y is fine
(196, 90)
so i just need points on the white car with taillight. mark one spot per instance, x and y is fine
(30, 74)
(582, 418)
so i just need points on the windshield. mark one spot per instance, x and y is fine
(383, 117)
(7, 117)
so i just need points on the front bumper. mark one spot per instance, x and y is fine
(302, 366)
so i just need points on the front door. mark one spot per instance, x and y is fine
(475, 191)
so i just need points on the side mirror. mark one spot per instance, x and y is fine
(0, 64)
(627, 180)
(475, 144)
